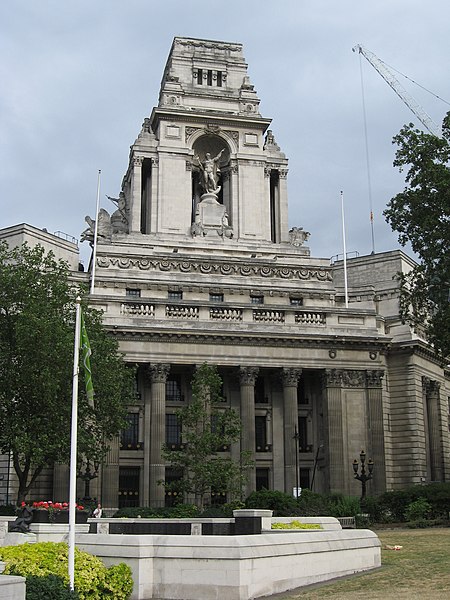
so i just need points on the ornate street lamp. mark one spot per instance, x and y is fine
(363, 477)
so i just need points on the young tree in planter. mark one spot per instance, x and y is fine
(421, 216)
(207, 431)
(37, 328)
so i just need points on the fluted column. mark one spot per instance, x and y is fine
(335, 436)
(136, 195)
(290, 379)
(155, 434)
(247, 379)
(432, 396)
(376, 429)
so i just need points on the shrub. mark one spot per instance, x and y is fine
(50, 587)
(417, 510)
(93, 581)
(8, 510)
(311, 504)
(283, 505)
(344, 506)
(180, 511)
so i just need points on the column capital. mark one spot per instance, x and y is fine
(158, 372)
(353, 378)
(138, 160)
(374, 377)
(430, 386)
(332, 378)
(248, 375)
(290, 376)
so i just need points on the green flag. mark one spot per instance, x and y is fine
(86, 352)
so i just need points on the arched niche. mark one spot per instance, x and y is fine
(212, 144)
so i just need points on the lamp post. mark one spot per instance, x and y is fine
(363, 477)
(296, 437)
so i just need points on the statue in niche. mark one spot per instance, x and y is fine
(210, 172)
(297, 237)
(104, 229)
(119, 218)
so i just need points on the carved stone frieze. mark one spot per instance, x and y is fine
(290, 377)
(197, 266)
(190, 131)
(353, 379)
(374, 378)
(248, 375)
(158, 372)
(208, 44)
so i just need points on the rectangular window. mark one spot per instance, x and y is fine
(175, 295)
(296, 301)
(262, 479)
(133, 293)
(173, 389)
(303, 442)
(173, 432)
(304, 479)
(128, 486)
(219, 78)
(261, 434)
(200, 76)
(173, 493)
(301, 397)
(209, 77)
(129, 437)
(257, 299)
(260, 392)
(213, 297)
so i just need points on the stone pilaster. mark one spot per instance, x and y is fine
(434, 428)
(155, 435)
(247, 380)
(332, 382)
(290, 379)
(376, 429)
(109, 484)
(136, 195)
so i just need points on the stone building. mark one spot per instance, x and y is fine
(198, 264)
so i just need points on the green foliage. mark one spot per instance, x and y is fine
(311, 504)
(344, 506)
(93, 581)
(50, 587)
(180, 511)
(37, 327)
(417, 510)
(421, 216)
(296, 525)
(206, 429)
(282, 505)
(7, 510)
(392, 507)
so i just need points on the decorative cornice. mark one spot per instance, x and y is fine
(226, 339)
(216, 268)
(208, 44)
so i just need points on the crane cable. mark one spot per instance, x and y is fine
(366, 138)
(415, 83)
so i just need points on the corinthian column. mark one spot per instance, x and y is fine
(136, 195)
(155, 434)
(332, 382)
(247, 379)
(290, 379)
(434, 432)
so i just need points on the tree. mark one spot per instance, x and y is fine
(207, 431)
(37, 328)
(421, 216)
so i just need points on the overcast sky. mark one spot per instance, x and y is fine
(79, 76)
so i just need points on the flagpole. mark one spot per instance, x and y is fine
(73, 446)
(94, 252)
(344, 250)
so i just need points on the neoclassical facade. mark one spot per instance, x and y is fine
(198, 264)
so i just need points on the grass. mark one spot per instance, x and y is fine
(419, 570)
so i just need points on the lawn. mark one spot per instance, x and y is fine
(421, 569)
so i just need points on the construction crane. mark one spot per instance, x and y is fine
(393, 82)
